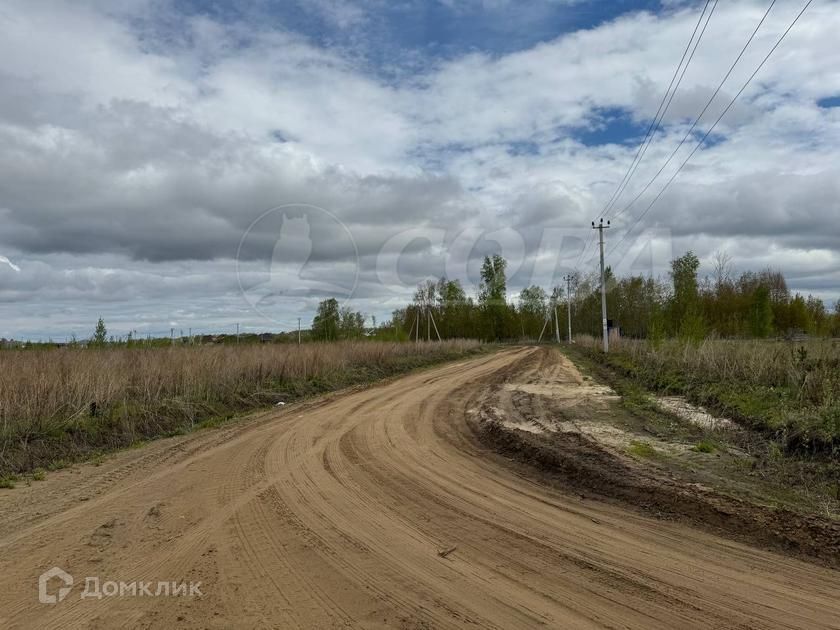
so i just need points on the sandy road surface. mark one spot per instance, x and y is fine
(332, 514)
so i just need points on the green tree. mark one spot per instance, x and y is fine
(799, 318)
(532, 310)
(100, 334)
(532, 299)
(834, 331)
(656, 326)
(450, 293)
(426, 294)
(325, 325)
(761, 313)
(454, 308)
(352, 324)
(493, 286)
(686, 317)
(492, 296)
(818, 315)
(426, 298)
(684, 275)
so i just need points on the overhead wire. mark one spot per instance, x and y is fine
(700, 115)
(722, 114)
(664, 105)
(661, 111)
(583, 251)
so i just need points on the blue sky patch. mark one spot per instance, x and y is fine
(397, 32)
(829, 102)
(611, 126)
(712, 140)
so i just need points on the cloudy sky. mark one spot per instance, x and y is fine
(142, 143)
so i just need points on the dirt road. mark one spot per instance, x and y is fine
(374, 509)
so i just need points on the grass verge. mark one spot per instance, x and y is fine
(788, 391)
(743, 460)
(59, 406)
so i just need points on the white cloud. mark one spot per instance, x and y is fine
(163, 143)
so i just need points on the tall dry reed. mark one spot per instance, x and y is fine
(107, 397)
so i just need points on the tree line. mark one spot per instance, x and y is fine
(752, 304)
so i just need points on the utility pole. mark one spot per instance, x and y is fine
(298, 330)
(545, 324)
(568, 280)
(601, 227)
(172, 336)
(237, 332)
(556, 325)
(413, 324)
(428, 325)
(437, 332)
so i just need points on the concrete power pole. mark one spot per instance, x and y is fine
(601, 227)
(298, 330)
(417, 332)
(428, 325)
(556, 325)
(437, 332)
(568, 279)
(545, 325)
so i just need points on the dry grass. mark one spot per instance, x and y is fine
(786, 447)
(792, 389)
(66, 402)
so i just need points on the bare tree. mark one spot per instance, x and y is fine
(723, 269)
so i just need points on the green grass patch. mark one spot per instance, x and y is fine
(704, 446)
(8, 481)
(639, 448)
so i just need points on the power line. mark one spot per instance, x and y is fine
(701, 114)
(668, 106)
(712, 128)
(583, 251)
(654, 124)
